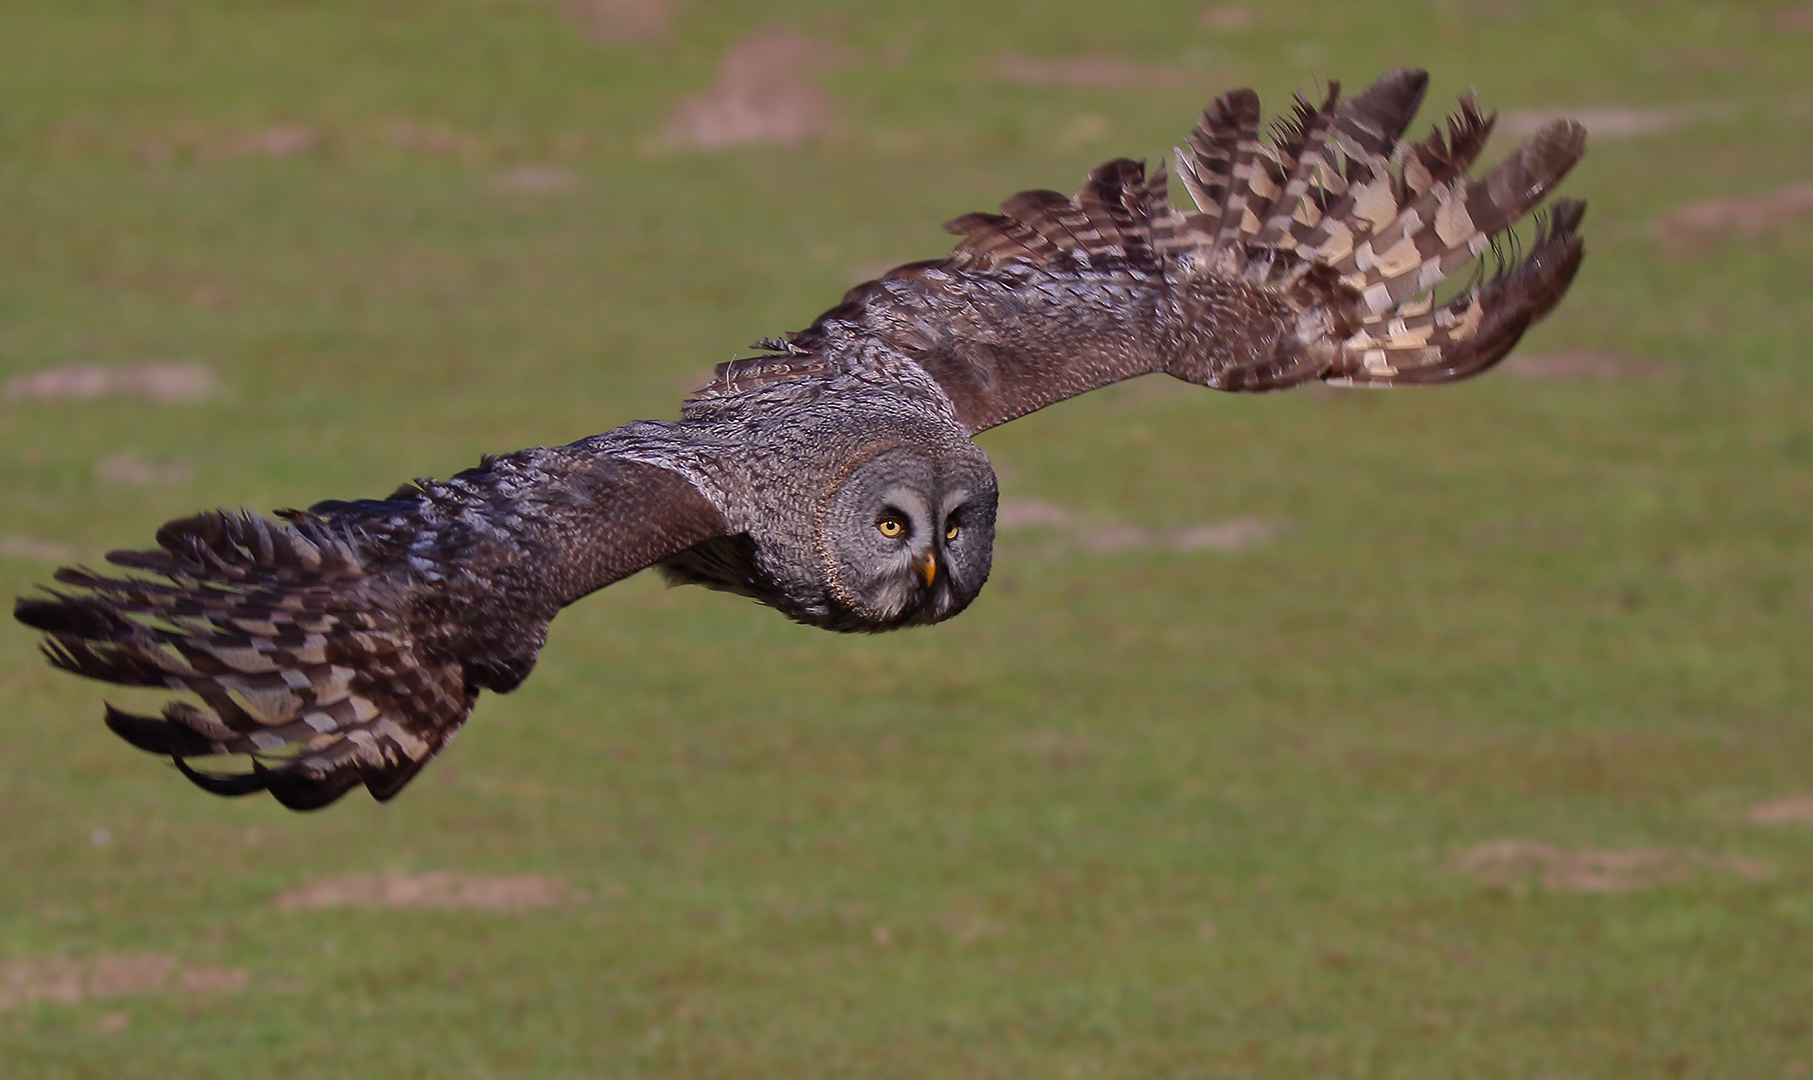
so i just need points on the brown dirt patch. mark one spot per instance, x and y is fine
(279, 141)
(109, 976)
(212, 297)
(1077, 531)
(476, 892)
(622, 22)
(154, 382)
(25, 547)
(129, 468)
(1603, 121)
(1233, 534)
(1578, 364)
(1794, 18)
(1794, 810)
(433, 138)
(1227, 18)
(274, 141)
(1031, 514)
(1100, 72)
(534, 180)
(1057, 748)
(763, 95)
(1518, 863)
(966, 925)
(1697, 226)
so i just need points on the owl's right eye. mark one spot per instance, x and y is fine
(891, 527)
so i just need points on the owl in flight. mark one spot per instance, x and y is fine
(833, 476)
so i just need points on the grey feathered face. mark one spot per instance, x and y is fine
(909, 536)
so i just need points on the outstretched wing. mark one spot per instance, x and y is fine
(348, 643)
(1309, 256)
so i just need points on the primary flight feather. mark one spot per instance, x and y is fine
(833, 476)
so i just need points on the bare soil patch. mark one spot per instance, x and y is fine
(434, 138)
(26, 547)
(1227, 18)
(109, 976)
(1519, 863)
(1078, 531)
(1101, 72)
(278, 141)
(129, 468)
(534, 180)
(1603, 121)
(763, 95)
(1794, 18)
(1056, 748)
(1233, 534)
(1032, 514)
(1794, 810)
(622, 22)
(212, 297)
(274, 141)
(966, 925)
(1578, 364)
(1697, 226)
(152, 381)
(477, 892)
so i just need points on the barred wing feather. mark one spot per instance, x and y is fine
(348, 643)
(1311, 255)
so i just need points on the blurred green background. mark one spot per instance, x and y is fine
(1471, 740)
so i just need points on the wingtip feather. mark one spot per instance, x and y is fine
(154, 736)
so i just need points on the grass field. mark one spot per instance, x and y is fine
(1478, 763)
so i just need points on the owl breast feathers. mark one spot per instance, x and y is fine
(832, 476)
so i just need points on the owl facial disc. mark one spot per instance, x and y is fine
(908, 537)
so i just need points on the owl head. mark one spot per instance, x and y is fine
(907, 536)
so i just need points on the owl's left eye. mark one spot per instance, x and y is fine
(951, 530)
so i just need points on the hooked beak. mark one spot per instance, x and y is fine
(927, 565)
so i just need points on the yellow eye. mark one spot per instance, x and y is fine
(891, 527)
(950, 531)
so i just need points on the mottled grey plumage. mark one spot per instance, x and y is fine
(832, 477)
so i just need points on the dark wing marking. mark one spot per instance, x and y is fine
(348, 644)
(1310, 256)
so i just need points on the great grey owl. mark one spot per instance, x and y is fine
(832, 476)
